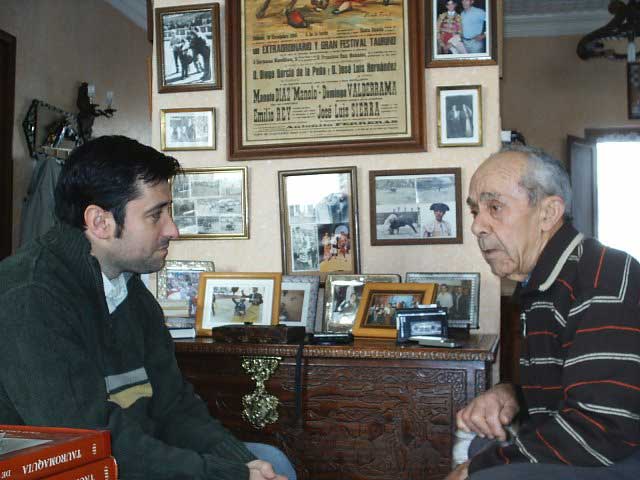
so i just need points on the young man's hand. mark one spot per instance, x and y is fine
(487, 414)
(261, 470)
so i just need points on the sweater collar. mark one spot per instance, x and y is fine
(552, 259)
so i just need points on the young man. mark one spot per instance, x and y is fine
(84, 341)
(438, 227)
(579, 397)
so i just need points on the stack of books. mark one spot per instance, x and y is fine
(29, 453)
(178, 318)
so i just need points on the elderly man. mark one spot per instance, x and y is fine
(474, 23)
(579, 398)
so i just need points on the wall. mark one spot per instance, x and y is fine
(262, 252)
(62, 43)
(548, 92)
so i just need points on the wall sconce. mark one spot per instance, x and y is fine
(89, 111)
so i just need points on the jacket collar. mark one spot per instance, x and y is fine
(553, 258)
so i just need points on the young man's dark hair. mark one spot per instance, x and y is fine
(106, 172)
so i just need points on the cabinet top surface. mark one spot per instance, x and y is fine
(481, 347)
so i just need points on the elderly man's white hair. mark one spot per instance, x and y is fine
(544, 176)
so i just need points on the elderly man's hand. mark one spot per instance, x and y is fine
(489, 412)
(261, 470)
(459, 473)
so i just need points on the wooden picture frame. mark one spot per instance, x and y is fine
(342, 296)
(179, 280)
(465, 295)
(211, 203)
(415, 206)
(446, 44)
(187, 129)
(459, 111)
(633, 90)
(150, 21)
(236, 298)
(188, 48)
(375, 317)
(338, 85)
(299, 301)
(319, 221)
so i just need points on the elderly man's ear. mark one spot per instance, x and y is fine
(551, 212)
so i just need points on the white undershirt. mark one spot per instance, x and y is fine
(115, 291)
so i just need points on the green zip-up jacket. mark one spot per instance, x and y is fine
(67, 362)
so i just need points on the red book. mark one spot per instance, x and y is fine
(105, 469)
(28, 452)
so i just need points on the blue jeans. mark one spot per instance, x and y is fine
(274, 456)
(627, 469)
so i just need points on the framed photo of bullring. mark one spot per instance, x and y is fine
(319, 221)
(318, 78)
(188, 48)
(211, 203)
(461, 32)
(415, 207)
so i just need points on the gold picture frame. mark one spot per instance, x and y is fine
(459, 113)
(211, 203)
(375, 318)
(230, 298)
(187, 129)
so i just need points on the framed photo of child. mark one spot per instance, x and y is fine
(461, 32)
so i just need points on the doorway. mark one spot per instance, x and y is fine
(7, 100)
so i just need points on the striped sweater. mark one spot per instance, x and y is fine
(580, 357)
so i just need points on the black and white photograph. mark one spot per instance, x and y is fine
(319, 224)
(237, 298)
(461, 31)
(459, 116)
(342, 298)
(299, 301)
(458, 293)
(187, 129)
(211, 203)
(188, 39)
(419, 206)
(179, 280)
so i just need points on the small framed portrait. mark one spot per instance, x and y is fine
(461, 32)
(180, 279)
(237, 298)
(376, 313)
(633, 90)
(299, 301)
(211, 203)
(414, 207)
(318, 210)
(342, 295)
(188, 52)
(459, 116)
(187, 129)
(459, 293)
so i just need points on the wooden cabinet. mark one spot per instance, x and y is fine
(372, 410)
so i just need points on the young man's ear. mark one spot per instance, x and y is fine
(100, 223)
(551, 211)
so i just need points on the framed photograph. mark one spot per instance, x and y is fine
(459, 116)
(187, 129)
(414, 207)
(299, 301)
(633, 90)
(188, 48)
(459, 293)
(342, 295)
(211, 203)
(179, 280)
(237, 298)
(375, 317)
(461, 33)
(323, 77)
(319, 221)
